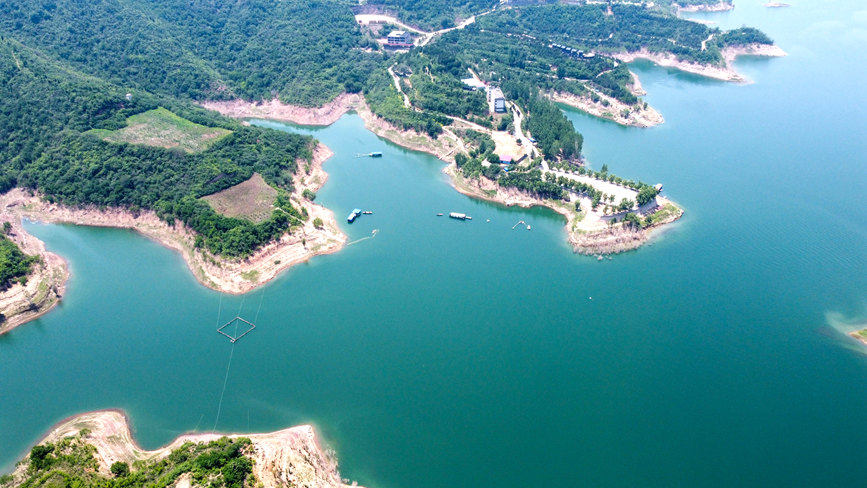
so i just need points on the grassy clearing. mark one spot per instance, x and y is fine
(252, 200)
(252, 275)
(162, 128)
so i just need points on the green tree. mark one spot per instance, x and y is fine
(645, 194)
(460, 159)
(120, 469)
(625, 204)
(39, 456)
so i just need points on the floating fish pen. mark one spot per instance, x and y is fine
(238, 321)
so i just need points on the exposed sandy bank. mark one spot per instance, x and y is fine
(588, 232)
(725, 72)
(289, 457)
(277, 110)
(635, 87)
(860, 335)
(443, 147)
(716, 7)
(768, 50)
(222, 274)
(617, 111)
(45, 286)
(666, 60)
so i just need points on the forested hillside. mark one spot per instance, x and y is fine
(628, 28)
(46, 108)
(304, 52)
(433, 14)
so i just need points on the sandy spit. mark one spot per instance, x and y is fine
(289, 457)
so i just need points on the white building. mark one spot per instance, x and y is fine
(496, 100)
(399, 38)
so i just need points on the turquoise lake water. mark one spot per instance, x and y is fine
(467, 354)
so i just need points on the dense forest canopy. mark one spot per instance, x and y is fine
(304, 52)
(629, 28)
(46, 108)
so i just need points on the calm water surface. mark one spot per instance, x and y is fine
(444, 353)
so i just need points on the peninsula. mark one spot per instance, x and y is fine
(97, 449)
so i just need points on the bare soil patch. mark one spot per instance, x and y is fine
(251, 200)
(507, 145)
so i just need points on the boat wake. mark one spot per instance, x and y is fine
(371, 236)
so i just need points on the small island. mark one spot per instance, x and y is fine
(97, 449)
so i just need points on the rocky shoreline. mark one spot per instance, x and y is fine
(45, 286)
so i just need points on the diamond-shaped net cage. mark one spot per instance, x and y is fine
(236, 329)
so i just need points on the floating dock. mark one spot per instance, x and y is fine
(354, 215)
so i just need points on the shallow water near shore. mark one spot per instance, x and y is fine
(446, 353)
